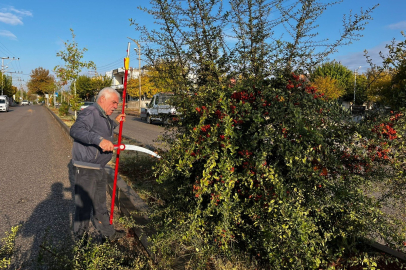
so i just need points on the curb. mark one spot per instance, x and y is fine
(63, 126)
(127, 200)
(395, 253)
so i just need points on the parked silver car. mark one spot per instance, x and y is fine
(85, 105)
(4, 105)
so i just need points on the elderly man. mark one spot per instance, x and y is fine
(92, 150)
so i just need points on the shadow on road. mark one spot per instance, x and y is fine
(135, 118)
(49, 224)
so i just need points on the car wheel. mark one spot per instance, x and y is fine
(149, 121)
(167, 120)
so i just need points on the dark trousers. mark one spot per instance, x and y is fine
(90, 194)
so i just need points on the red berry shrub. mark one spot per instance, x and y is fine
(281, 174)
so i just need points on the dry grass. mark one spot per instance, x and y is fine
(67, 119)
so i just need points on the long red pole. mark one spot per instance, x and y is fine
(113, 195)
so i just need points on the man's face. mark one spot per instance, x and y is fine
(108, 103)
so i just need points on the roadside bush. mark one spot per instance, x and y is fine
(64, 109)
(7, 247)
(90, 254)
(276, 172)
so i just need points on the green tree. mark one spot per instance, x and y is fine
(99, 82)
(72, 57)
(361, 93)
(13, 91)
(8, 88)
(41, 82)
(339, 72)
(84, 87)
(395, 64)
(88, 87)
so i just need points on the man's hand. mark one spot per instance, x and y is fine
(120, 117)
(106, 145)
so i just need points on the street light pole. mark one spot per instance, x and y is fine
(355, 81)
(139, 71)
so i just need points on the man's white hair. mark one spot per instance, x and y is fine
(106, 90)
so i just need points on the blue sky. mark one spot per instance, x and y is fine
(35, 30)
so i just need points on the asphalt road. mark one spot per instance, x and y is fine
(147, 134)
(35, 189)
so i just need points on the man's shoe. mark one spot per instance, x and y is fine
(117, 235)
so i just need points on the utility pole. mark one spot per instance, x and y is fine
(355, 81)
(139, 69)
(17, 72)
(21, 87)
(139, 72)
(2, 70)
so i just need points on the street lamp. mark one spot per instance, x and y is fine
(139, 70)
(355, 81)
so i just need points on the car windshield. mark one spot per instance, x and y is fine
(164, 99)
(88, 103)
(2, 101)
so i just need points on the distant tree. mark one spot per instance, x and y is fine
(329, 86)
(99, 82)
(4, 84)
(72, 57)
(397, 60)
(148, 85)
(361, 95)
(337, 71)
(133, 87)
(165, 75)
(380, 84)
(394, 65)
(8, 88)
(84, 87)
(14, 90)
(88, 87)
(41, 82)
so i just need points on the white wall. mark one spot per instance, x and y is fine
(136, 104)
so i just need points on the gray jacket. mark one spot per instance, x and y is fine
(90, 128)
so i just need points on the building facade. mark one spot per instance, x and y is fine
(117, 76)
